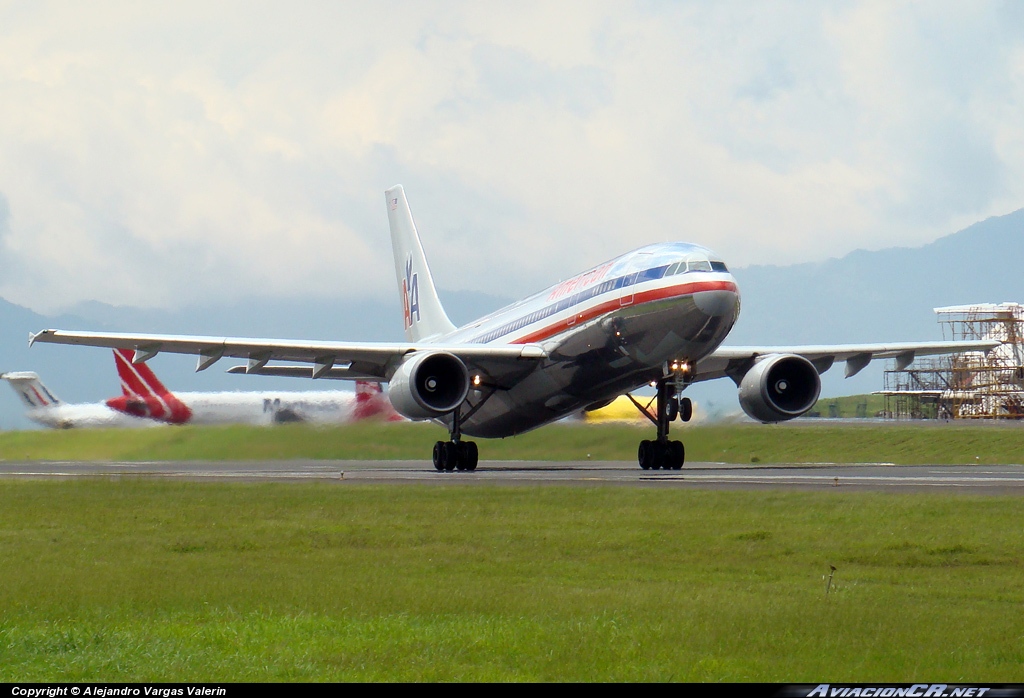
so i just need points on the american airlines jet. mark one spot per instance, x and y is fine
(145, 401)
(657, 315)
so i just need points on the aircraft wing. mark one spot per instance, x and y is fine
(347, 360)
(735, 361)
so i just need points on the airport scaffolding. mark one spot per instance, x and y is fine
(972, 385)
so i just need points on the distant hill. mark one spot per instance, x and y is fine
(887, 294)
(865, 296)
(875, 296)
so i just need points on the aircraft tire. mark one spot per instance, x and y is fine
(465, 457)
(658, 456)
(677, 454)
(451, 456)
(685, 409)
(468, 455)
(672, 409)
(643, 454)
(440, 456)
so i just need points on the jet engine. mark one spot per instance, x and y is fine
(429, 384)
(779, 387)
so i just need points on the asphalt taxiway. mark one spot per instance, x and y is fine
(972, 479)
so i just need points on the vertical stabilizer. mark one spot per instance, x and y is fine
(31, 390)
(144, 394)
(137, 380)
(421, 308)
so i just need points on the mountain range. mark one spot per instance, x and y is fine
(864, 296)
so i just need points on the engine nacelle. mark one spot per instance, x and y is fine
(779, 387)
(429, 384)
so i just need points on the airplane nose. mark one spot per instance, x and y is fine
(717, 303)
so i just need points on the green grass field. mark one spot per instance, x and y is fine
(110, 579)
(848, 407)
(136, 580)
(747, 443)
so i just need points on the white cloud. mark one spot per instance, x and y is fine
(152, 155)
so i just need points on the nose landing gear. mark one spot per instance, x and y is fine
(663, 453)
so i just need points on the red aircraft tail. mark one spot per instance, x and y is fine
(144, 394)
(371, 402)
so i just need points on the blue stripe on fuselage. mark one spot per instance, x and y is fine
(564, 304)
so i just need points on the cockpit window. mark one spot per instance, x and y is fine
(695, 261)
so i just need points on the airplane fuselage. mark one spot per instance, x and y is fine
(258, 408)
(606, 331)
(81, 416)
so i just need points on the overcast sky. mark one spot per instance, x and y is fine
(155, 154)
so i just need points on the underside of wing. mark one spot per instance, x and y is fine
(735, 361)
(338, 360)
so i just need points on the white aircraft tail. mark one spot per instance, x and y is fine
(31, 390)
(421, 308)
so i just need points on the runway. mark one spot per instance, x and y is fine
(971, 479)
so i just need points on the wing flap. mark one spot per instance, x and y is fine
(333, 373)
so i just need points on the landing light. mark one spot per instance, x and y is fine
(476, 380)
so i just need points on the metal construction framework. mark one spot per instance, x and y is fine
(965, 386)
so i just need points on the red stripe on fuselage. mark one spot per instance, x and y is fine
(640, 297)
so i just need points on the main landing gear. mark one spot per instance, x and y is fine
(455, 454)
(663, 453)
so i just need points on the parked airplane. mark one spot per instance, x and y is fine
(47, 409)
(145, 401)
(656, 315)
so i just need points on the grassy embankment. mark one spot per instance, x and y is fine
(129, 580)
(849, 406)
(796, 443)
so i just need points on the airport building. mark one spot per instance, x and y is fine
(965, 386)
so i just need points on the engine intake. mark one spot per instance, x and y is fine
(428, 385)
(779, 387)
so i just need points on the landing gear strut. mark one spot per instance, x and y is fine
(663, 453)
(455, 454)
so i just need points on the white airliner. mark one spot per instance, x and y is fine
(146, 402)
(43, 407)
(656, 315)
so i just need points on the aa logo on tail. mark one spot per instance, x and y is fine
(410, 295)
